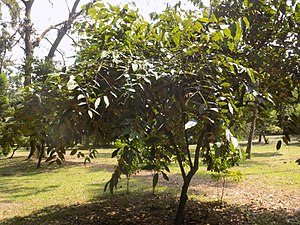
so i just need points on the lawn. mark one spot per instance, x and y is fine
(73, 193)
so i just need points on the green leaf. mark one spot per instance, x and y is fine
(225, 84)
(246, 21)
(176, 39)
(204, 20)
(217, 36)
(278, 145)
(250, 73)
(134, 67)
(233, 29)
(190, 124)
(73, 152)
(166, 168)
(97, 102)
(213, 18)
(87, 159)
(106, 101)
(90, 113)
(92, 12)
(155, 180)
(165, 176)
(285, 140)
(115, 153)
(238, 33)
(227, 33)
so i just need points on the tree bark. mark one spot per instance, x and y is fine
(252, 130)
(13, 153)
(187, 180)
(179, 220)
(28, 42)
(32, 149)
(41, 150)
(63, 30)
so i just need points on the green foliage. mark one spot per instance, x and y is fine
(3, 93)
(8, 34)
(37, 117)
(156, 88)
(160, 87)
(273, 129)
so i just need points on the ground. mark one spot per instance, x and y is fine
(268, 193)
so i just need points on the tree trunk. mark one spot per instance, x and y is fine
(28, 42)
(41, 150)
(179, 220)
(13, 153)
(252, 130)
(32, 149)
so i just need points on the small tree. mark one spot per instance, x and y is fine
(166, 85)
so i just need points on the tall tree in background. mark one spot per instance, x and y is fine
(31, 43)
(8, 33)
(271, 46)
(3, 94)
(36, 72)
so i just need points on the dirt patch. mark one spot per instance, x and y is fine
(249, 191)
(147, 209)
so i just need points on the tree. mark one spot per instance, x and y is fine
(272, 50)
(7, 38)
(39, 124)
(3, 107)
(31, 44)
(3, 93)
(163, 85)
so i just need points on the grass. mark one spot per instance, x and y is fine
(274, 168)
(25, 190)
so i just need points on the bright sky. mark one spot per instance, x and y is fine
(50, 12)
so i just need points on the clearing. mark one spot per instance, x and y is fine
(268, 193)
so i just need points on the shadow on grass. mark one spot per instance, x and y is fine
(146, 208)
(18, 166)
(294, 144)
(17, 169)
(254, 143)
(265, 154)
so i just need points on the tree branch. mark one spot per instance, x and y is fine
(68, 6)
(42, 35)
(63, 30)
(62, 54)
(197, 151)
(73, 40)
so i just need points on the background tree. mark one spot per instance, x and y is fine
(3, 93)
(8, 34)
(272, 50)
(36, 74)
(3, 107)
(31, 43)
